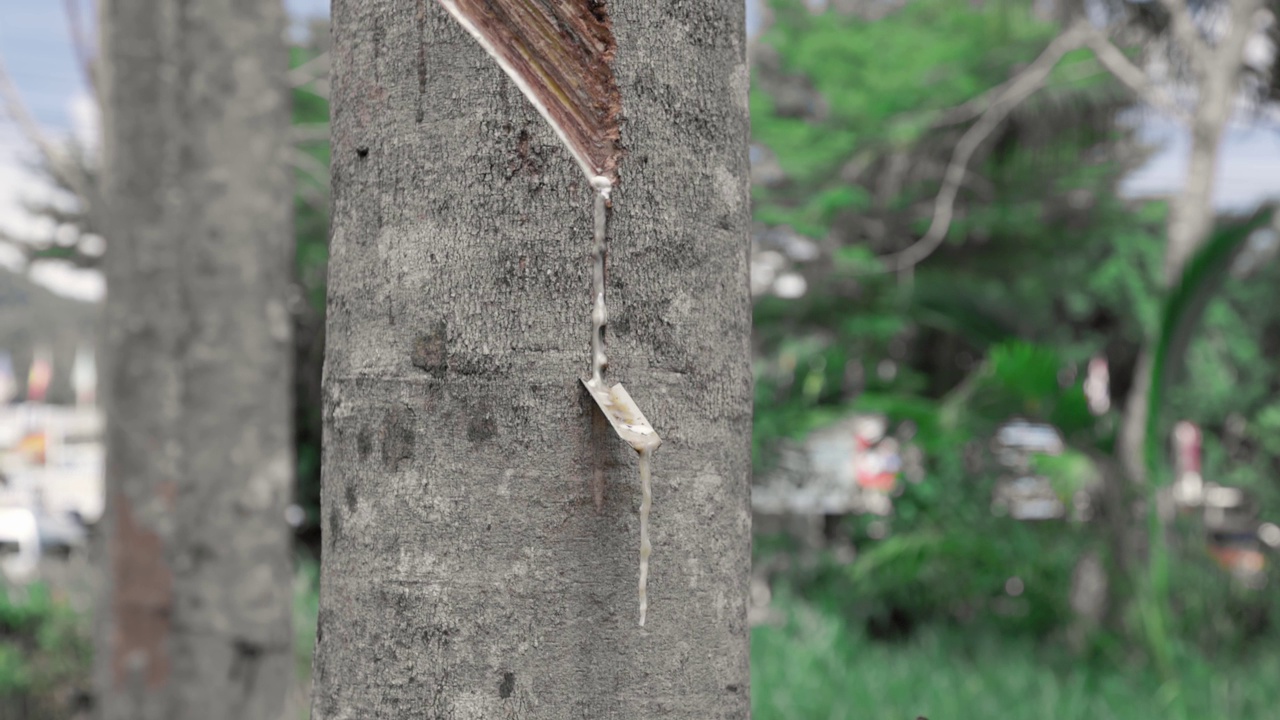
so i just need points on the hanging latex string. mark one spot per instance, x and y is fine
(646, 502)
(599, 313)
(599, 361)
(529, 47)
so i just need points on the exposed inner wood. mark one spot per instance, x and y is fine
(560, 53)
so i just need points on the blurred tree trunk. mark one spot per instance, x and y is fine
(469, 567)
(1215, 71)
(195, 615)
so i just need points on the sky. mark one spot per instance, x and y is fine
(36, 48)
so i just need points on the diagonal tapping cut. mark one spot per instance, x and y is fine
(560, 53)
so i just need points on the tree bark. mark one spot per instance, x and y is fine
(481, 537)
(194, 620)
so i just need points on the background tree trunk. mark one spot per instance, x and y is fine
(470, 570)
(1190, 221)
(1216, 72)
(194, 619)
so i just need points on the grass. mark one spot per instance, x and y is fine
(816, 667)
(44, 652)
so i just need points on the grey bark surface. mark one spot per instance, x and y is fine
(194, 617)
(481, 536)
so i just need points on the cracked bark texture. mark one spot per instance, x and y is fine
(194, 616)
(481, 535)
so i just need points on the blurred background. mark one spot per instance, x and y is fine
(967, 505)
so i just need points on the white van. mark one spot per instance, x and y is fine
(19, 544)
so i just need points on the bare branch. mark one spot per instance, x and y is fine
(312, 76)
(317, 68)
(1123, 69)
(315, 198)
(11, 102)
(311, 167)
(310, 133)
(1185, 32)
(858, 164)
(316, 192)
(319, 88)
(972, 108)
(1012, 93)
(971, 179)
(1228, 56)
(16, 109)
(80, 43)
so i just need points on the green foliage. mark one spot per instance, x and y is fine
(817, 665)
(311, 214)
(306, 612)
(311, 259)
(1229, 383)
(1044, 268)
(836, 93)
(1183, 309)
(1050, 256)
(947, 556)
(883, 83)
(1199, 283)
(1019, 379)
(1071, 472)
(44, 652)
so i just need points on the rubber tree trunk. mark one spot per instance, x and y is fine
(195, 613)
(481, 536)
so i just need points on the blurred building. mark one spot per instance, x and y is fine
(51, 481)
(848, 467)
